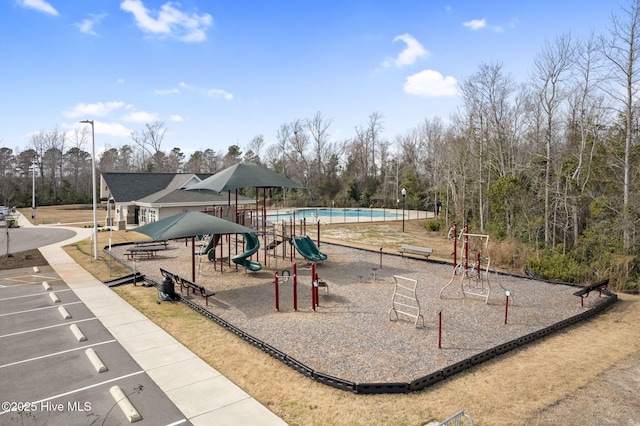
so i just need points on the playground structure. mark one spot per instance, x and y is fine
(307, 249)
(279, 241)
(252, 246)
(356, 308)
(209, 244)
(283, 240)
(474, 271)
(285, 275)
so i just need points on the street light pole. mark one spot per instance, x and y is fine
(404, 194)
(93, 187)
(33, 190)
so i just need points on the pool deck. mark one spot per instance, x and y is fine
(348, 216)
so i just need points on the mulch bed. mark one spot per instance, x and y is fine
(23, 259)
(352, 335)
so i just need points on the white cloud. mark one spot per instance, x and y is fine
(169, 21)
(475, 24)
(87, 25)
(219, 93)
(98, 109)
(214, 93)
(166, 91)
(102, 128)
(176, 118)
(430, 83)
(141, 117)
(481, 24)
(409, 55)
(112, 129)
(39, 5)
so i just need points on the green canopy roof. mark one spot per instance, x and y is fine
(245, 176)
(189, 224)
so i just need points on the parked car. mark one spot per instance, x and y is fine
(4, 210)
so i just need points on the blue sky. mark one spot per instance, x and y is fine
(219, 73)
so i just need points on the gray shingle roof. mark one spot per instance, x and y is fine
(127, 187)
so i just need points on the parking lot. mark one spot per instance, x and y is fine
(59, 364)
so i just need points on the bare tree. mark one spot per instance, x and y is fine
(76, 156)
(299, 142)
(621, 48)
(586, 105)
(489, 128)
(256, 145)
(550, 69)
(318, 127)
(284, 137)
(150, 142)
(49, 147)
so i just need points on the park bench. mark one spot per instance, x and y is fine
(423, 251)
(171, 275)
(583, 293)
(185, 283)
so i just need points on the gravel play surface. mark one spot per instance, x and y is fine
(350, 335)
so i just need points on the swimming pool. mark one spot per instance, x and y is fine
(329, 215)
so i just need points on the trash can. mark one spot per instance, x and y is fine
(167, 288)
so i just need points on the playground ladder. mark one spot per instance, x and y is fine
(404, 300)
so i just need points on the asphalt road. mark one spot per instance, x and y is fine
(21, 239)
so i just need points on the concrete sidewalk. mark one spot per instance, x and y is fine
(198, 390)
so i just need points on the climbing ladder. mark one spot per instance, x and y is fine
(404, 300)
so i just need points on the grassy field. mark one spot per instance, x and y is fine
(578, 376)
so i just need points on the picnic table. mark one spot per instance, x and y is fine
(142, 252)
(152, 243)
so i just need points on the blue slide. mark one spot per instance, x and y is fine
(252, 244)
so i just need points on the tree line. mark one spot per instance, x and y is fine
(551, 162)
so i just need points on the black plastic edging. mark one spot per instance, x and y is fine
(335, 381)
(426, 381)
(397, 387)
(378, 388)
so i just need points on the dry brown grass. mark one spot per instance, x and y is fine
(80, 215)
(516, 388)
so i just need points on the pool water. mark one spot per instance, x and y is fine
(326, 214)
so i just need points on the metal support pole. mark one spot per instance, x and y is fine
(275, 281)
(440, 329)
(506, 306)
(295, 286)
(455, 246)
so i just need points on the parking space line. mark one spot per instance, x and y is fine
(32, 295)
(82, 389)
(64, 324)
(29, 278)
(38, 309)
(56, 353)
(179, 422)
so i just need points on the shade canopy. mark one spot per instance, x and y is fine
(189, 224)
(245, 176)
